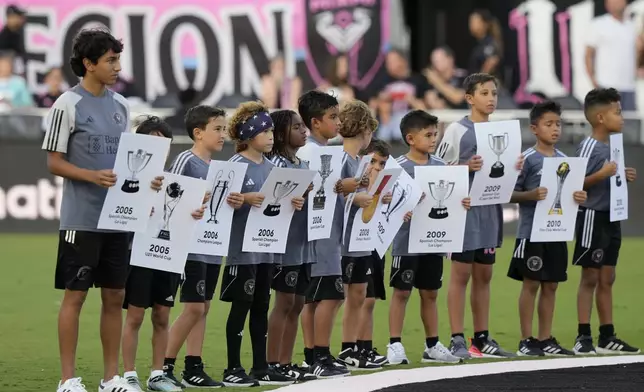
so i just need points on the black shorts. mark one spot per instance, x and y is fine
(147, 287)
(292, 279)
(199, 282)
(540, 261)
(376, 285)
(247, 282)
(325, 288)
(424, 272)
(356, 270)
(89, 258)
(598, 239)
(480, 256)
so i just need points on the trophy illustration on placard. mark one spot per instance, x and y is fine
(367, 213)
(136, 162)
(319, 200)
(219, 193)
(399, 196)
(440, 192)
(173, 193)
(498, 144)
(281, 190)
(562, 172)
(617, 153)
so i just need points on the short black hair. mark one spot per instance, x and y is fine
(377, 146)
(415, 121)
(473, 80)
(92, 44)
(314, 104)
(199, 116)
(541, 108)
(149, 124)
(599, 97)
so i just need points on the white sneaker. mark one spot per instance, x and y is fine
(72, 385)
(133, 381)
(439, 354)
(396, 354)
(116, 384)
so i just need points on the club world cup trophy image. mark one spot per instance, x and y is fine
(399, 196)
(280, 191)
(219, 193)
(440, 192)
(173, 194)
(617, 153)
(498, 144)
(136, 162)
(562, 172)
(367, 213)
(319, 200)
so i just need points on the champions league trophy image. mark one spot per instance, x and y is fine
(498, 144)
(136, 162)
(440, 193)
(219, 193)
(617, 153)
(562, 172)
(319, 200)
(280, 191)
(399, 196)
(173, 194)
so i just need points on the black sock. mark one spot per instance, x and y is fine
(258, 325)
(351, 345)
(309, 356)
(234, 329)
(458, 334)
(365, 345)
(191, 361)
(606, 331)
(395, 340)
(583, 329)
(169, 361)
(481, 336)
(320, 352)
(431, 342)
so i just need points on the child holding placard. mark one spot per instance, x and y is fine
(540, 265)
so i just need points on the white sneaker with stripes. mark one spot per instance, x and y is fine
(116, 384)
(71, 385)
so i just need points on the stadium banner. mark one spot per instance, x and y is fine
(218, 47)
(30, 196)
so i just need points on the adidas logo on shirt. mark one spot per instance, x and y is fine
(250, 182)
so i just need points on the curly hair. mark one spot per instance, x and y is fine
(243, 112)
(283, 120)
(356, 118)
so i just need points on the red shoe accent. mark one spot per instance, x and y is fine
(474, 352)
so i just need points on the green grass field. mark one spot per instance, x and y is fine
(29, 308)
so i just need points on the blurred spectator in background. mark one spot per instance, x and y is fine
(12, 36)
(14, 92)
(446, 80)
(279, 91)
(187, 98)
(126, 88)
(337, 79)
(400, 92)
(55, 88)
(486, 56)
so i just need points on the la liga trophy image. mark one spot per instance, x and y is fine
(280, 191)
(136, 162)
(562, 172)
(367, 213)
(173, 193)
(399, 196)
(498, 144)
(219, 193)
(617, 153)
(440, 192)
(319, 200)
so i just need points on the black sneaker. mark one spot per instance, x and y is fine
(354, 360)
(327, 367)
(530, 347)
(168, 370)
(584, 345)
(297, 373)
(271, 376)
(237, 377)
(488, 348)
(552, 348)
(614, 345)
(197, 378)
(374, 357)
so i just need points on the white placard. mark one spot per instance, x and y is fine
(212, 235)
(327, 163)
(556, 215)
(499, 145)
(363, 231)
(139, 159)
(267, 226)
(165, 244)
(363, 165)
(438, 223)
(618, 183)
(405, 196)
